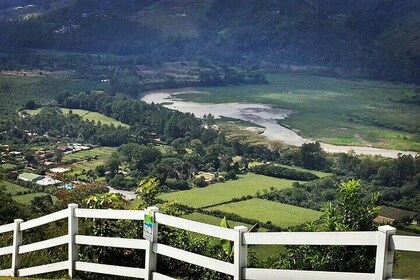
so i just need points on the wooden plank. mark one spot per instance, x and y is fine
(405, 243)
(44, 220)
(6, 250)
(260, 273)
(5, 272)
(158, 276)
(111, 269)
(116, 242)
(368, 238)
(43, 269)
(7, 228)
(136, 215)
(210, 230)
(43, 244)
(193, 258)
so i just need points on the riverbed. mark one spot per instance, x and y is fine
(260, 114)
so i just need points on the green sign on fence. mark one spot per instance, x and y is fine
(148, 225)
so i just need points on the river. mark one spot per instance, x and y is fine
(263, 115)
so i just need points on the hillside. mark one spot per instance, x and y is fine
(369, 39)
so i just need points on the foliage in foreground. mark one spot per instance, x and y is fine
(350, 213)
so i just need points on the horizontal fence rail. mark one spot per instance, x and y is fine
(385, 241)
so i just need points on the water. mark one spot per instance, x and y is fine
(263, 115)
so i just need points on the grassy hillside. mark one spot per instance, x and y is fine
(279, 214)
(15, 91)
(222, 192)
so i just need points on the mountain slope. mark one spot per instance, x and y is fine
(352, 38)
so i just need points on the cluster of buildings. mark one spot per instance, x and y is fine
(38, 179)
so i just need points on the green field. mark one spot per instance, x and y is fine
(15, 91)
(7, 166)
(86, 115)
(215, 221)
(408, 264)
(94, 116)
(333, 110)
(27, 198)
(247, 184)
(13, 188)
(102, 153)
(320, 174)
(279, 214)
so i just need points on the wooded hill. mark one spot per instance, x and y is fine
(352, 38)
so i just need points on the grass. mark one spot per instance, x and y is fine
(408, 264)
(15, 91)
(279, 214)
(86, 115)
(13, 188)
(215, 221)
(94, 116)
(247, 184)
(320, 174)
(336, 111)
(7, 166)
(102, 153)
(26, 199)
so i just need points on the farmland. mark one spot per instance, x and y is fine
(27, 198)
(279, 214)
(13, 189)
(16, 90)
(87, 160)
(86, 115)
(247, 184)
(335, 111)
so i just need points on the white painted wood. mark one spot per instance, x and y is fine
(264, 274)
(44, 220)
(193, 258)
(111, 269)
(151, 257)
(73, 230)
(136, 215)
(240, 252)
(5, 272)
(368, 238)
(6, 250)
(115, 242)
(17, 241)
(405, 243)
(43, 269)
(384, 255)
(158, 276)
(7, 228)
(43, 244)
(210, 230)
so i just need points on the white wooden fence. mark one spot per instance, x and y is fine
(384, 239)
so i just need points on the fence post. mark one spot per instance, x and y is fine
(384, 256)
(151, 257)
(73, 228)
(240, 252)
(17, 241)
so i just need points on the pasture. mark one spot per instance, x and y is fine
(247, 184)
(279, 214)
(85, 115)
(26, 199)
(94, 116)
(336, 111)
(101, 153)
(13, 189)
(15, 91)
(320, 174)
